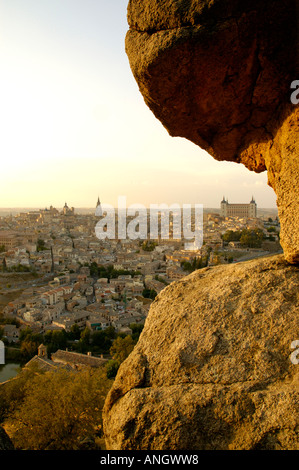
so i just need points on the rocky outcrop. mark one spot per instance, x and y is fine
(212, 368)
(5, 442)
(219, 72)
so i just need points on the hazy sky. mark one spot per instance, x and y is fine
(74, 125)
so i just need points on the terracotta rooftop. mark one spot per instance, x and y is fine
(68, 357)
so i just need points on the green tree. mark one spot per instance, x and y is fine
(13, 393)
(28, 349)
(136, 330)
(148, 245)
(4, 266)
(59, 410)
(110, 332)
(149, 294)
(29, 343)
(93, 267)
(83, 345)
(197, 263)
(25, 333)
(85, 336)
(20, 268)
(112, 367)
(252, 238)
(231, 236)
(55, 340)
(74, 333)
(40, 245)
(9, 321)
(100, 341)
(121, 348)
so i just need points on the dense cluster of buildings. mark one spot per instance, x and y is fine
(63, 246)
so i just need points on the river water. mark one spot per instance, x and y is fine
(8, 371)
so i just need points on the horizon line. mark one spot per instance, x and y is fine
(92, 208)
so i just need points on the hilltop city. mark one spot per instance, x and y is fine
(77, 279)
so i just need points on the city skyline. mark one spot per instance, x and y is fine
(121, 203)
(92, 208)
(74, 124)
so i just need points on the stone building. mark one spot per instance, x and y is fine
(77, 360)
(248, 211)
(8, 239)
(64, 359)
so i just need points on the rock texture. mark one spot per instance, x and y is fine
(219, 72)
(212, 368)
(5, 442)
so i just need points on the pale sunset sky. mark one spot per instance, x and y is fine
(74, 125)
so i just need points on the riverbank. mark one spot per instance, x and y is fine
(9, 371)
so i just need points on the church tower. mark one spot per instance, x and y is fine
(223, 207)
(99, 208)
(42, 351)
(252, 208)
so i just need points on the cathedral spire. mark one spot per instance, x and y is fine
(99, 208)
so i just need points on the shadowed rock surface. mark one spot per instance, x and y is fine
(219, 72)
(212, 368)
(5, 442)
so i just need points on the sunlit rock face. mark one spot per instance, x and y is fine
(219, 73)
(213, 367)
